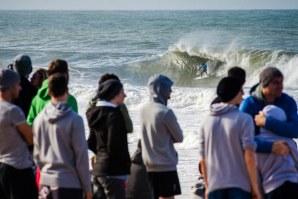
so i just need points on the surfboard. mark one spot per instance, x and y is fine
(203, 77)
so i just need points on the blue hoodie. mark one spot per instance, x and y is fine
(256, 102)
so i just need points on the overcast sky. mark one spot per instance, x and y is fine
(147, 4)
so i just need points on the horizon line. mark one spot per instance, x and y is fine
(241, 9)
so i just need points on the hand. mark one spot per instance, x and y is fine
(200, 168)
(206, 193)
(260, 119)
(280, 148)
(88, 195)
(256, 195)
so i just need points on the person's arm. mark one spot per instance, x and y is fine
(72, 102)
(128, 122)
(173, 126)
(36, 150)
(79, 145)
(26, 132)
(202, 163)
(205, 175)
(248, 145)
(32, 112)
(92, 141)
(250, 162)
(19, 121)
(263, 146)
(115, 139)
(287, 129)
(248, 106)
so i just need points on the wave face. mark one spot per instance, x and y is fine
(180, 62)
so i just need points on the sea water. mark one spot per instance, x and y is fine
(138, 44)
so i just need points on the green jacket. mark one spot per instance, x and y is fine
(42, 98)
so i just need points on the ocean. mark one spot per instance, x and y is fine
(138, 44)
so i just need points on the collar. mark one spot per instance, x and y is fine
(105, 103)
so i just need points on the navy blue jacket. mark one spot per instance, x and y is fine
(252, 105)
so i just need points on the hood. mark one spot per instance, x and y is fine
(160, 88)
(43, 92)
(97, 113)
(221, 109)
(54, 112)
(256, 91)
(275, 113)
(253, 88)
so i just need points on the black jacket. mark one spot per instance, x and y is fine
(26, 95)
(108, 140)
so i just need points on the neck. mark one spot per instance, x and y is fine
(114, 102)
(59, 99)
(269, 99)
(232, 102)
(4, 96)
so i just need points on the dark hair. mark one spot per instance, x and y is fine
(108, 76)
(43, 73)
(238, 73)
(228, 88)
(57, 85)
(57, 66)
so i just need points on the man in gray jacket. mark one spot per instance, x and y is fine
(60, 149)
(160, 130)
(226, 146)
(16, 176)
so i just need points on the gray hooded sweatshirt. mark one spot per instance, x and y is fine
(224, 135)
(60, 148)
(274, 169)
(159, 128)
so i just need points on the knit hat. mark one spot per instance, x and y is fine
(109, 89)
(275, 112)
(228, 88)
(22, 65)
(268, 74)
(8, 78)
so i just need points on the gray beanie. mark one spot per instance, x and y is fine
(8, 78)
(268, 74)
(22, 65)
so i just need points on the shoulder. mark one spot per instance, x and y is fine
(75, 117)
(114, 112)
(249, 100)
(71, 98)
(287, 99)
(242, 116)
(249, 104)
(9, 106)
(13, 108)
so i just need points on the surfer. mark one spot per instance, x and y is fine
(203, 69)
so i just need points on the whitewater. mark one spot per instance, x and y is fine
(138, 44)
